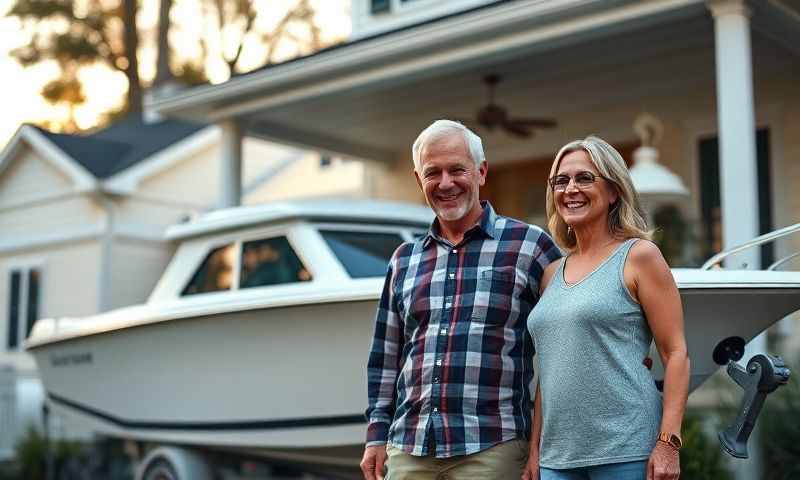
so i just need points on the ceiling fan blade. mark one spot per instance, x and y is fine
(536, 122)
(519, 130)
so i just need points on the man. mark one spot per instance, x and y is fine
(451, 361)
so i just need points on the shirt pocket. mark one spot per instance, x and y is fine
(494, 295)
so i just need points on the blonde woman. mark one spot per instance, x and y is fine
(597, 412)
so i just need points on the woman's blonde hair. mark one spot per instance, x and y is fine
(626, 218)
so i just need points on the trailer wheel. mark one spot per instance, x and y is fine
(174, 463)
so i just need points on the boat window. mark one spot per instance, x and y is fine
(363, 254)
(215, 274)
(270, 262)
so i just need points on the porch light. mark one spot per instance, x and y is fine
(655, 183)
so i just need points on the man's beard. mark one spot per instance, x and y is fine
(457, 213)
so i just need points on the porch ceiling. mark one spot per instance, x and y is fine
(624, 65)
(562, 83)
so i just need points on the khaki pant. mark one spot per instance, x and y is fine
(504, 461)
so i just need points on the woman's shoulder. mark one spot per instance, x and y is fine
(644, 254)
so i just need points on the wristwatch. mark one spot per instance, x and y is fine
(671, 439)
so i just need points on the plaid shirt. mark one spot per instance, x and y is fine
(451, 359)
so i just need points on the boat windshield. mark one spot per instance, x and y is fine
(270, 261)
(215, 274)
(362, 254)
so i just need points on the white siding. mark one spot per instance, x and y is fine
(305, 178)
(135, 269)
(192, 181)
(195, 180)
(48, 218)
(28, 176)
(150, 215)
(69, 287)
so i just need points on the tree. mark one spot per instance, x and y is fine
(79, 33)
(76, 34)
(163, 71)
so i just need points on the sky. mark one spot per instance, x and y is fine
(105, 89)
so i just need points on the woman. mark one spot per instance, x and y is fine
(597, 412)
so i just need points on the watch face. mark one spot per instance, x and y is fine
(675, 441)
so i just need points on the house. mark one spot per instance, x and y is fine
(720, 76)
(82, 221)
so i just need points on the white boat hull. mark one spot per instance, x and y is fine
(289, 382)
(285, 378)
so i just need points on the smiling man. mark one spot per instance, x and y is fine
(451, 361)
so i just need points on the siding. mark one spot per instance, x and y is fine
(196, 180)
(192, 181)
(135, 269)
(70, 274)
(304, 178)
(30, 176)
(48, 218)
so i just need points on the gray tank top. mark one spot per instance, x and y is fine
(599, 402)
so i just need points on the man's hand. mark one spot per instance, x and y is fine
(372, 462)
(664, 463)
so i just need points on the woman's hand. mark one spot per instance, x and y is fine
(531, 471)
(664, 463)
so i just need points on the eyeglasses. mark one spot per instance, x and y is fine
(583, 180)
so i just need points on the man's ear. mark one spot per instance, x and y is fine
(483, 169)
(416, 177)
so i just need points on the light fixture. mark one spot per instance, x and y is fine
(655, 183)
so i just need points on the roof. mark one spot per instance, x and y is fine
(338, 210)
(122, 144)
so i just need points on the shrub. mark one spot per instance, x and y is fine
(779, 426)
(701, 455)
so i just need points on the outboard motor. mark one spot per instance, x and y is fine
(763, 375)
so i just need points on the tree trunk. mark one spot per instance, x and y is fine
(131, 49)
(163, 72)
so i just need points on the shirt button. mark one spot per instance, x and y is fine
(448, 305)
(435, 379)
(443, 331)
(439, 362)
(435, 410)
(452, 276)
(455, 250)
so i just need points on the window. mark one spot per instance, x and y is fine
(380, 6)
(215, 274)
(23, 306)
(363, 254)
(710, 195)
(270, 262)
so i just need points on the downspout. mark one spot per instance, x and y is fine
(106, 244)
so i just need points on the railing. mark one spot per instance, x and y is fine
(760, 240)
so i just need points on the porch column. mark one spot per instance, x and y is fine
(230, 187)
(738, 170)
(736, 124)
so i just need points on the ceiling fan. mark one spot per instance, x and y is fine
(492, 115)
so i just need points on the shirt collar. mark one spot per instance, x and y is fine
(486, 224)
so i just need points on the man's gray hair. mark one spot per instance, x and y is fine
(443, 128)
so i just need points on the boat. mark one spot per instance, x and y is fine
(254, 340)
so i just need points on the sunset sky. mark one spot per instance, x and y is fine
(20, 98)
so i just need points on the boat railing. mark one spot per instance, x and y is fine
(760, 240)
